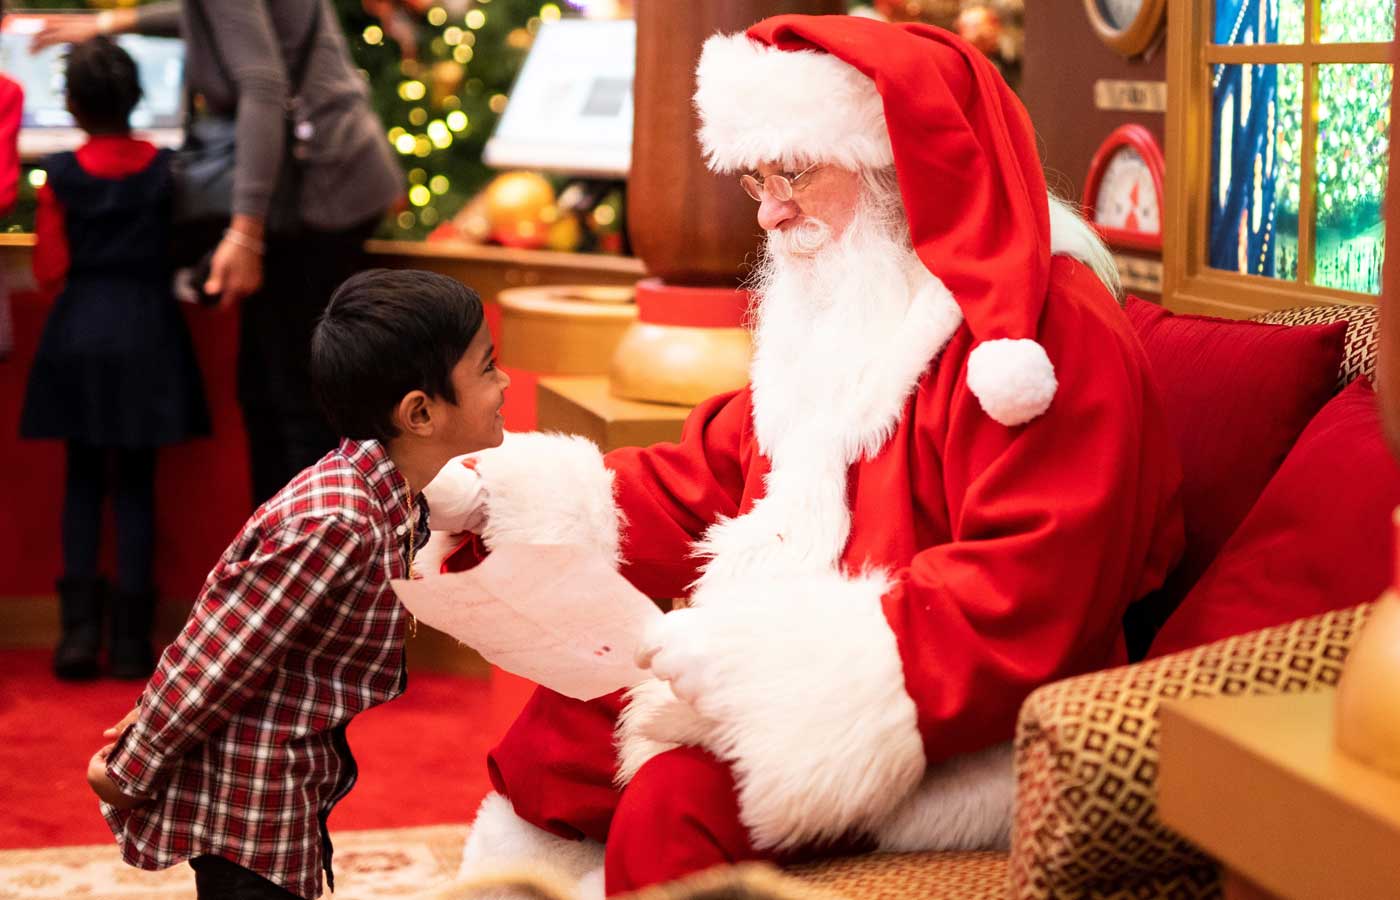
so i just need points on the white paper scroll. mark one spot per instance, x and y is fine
(559, 615)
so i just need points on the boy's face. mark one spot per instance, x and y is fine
(475, 422)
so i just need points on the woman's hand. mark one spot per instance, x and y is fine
(234, 273)
(237, 267)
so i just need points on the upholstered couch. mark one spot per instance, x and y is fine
(1086, 747)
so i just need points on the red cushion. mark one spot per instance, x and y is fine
(1237, 395)
(1318, 539)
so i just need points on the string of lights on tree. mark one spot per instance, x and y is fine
(440, 75)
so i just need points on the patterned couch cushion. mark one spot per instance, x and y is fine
(1086, 760)
(1359, 354)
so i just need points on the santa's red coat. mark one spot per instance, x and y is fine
(881, 617)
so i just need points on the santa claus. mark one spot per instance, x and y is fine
(947, 478)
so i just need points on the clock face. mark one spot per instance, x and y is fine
(1127, 196)
(1120, 13)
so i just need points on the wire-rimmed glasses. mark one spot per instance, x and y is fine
(778, 186)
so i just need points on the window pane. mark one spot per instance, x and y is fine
(1256, 154)
(1353, 124)
(1357, 20)
(1260, 21)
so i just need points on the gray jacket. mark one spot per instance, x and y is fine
(350, 173)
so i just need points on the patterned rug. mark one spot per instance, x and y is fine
(397, 862)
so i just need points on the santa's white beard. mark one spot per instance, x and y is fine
(825, 315)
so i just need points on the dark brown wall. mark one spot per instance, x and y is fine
(1063, 59)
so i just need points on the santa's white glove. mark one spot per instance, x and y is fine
(457, 498)
(676, 648)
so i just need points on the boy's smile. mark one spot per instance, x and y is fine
(476, 422)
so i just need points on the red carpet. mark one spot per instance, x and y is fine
(421, 757)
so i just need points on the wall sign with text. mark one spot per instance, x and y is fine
(1123, 193)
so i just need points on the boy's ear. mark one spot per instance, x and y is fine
(414, 414)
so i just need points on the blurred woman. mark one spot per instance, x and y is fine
(239, 62)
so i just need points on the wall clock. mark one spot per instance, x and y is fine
(1123, 193)
(1128, 26)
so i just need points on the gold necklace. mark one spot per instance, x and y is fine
(412, 552)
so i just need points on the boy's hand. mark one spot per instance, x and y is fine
(116, 730)
(102, 784)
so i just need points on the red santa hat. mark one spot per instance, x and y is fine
(859, 93)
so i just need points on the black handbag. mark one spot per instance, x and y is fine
(203, 166)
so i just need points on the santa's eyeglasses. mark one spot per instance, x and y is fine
(779, 187)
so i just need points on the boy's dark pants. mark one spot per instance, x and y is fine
(215, 878)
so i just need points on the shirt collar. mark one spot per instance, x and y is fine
(386, 482)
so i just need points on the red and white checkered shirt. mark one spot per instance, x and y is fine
(240, 743)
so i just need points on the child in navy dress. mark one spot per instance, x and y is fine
(115, 374)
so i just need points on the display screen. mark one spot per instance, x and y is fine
(571, 108)
(159, 60)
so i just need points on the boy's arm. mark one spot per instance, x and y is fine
(249, 614)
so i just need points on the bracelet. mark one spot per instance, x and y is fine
(106, 21)
(240, 239)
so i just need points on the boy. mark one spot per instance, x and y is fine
(237, 752)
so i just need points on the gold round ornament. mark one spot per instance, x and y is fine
(516, 205)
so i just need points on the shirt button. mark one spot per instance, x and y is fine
(401, 530)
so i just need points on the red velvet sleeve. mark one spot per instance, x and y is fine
(1057, 526)
(670, 493)
(11, 104)
(51, 242)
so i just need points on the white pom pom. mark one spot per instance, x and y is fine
(1012, 378)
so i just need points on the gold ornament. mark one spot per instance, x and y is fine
(445, 79)
(516, 203)
(566, 234)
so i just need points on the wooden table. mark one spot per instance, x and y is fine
(583, 405)
(1257, 783)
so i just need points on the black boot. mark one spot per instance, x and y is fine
(80, 614)
(129, 652)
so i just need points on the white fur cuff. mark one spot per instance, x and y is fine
(810, 707)
(549, 489)
(502, 844)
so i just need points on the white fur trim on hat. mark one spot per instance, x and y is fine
(1012, 378)
(759, 104)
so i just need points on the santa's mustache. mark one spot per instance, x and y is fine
(804, 238)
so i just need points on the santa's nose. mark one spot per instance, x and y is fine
(774, 213)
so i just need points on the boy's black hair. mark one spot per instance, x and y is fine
(103, 85)
(386, 333)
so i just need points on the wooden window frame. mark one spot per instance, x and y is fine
(1189, 283)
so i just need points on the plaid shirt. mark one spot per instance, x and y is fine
(240, 742)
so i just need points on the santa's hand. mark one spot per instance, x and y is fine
(457, 498)
(675, 648)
